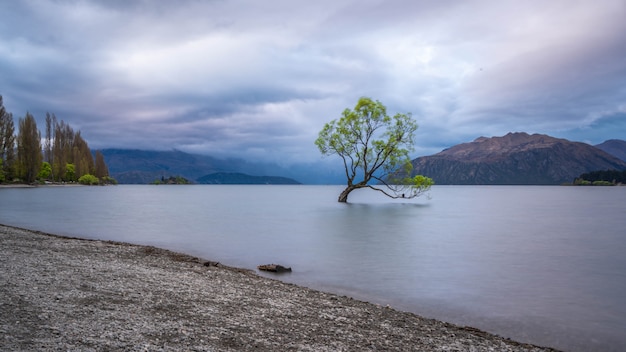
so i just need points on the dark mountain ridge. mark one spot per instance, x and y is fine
(615, 147)
(144, 166)
(236, 178)
(515, 159)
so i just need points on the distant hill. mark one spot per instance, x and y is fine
(515, 159)
(615, 147)
(236, 178)
(145, 166)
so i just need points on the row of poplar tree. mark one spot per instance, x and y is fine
(64, 156)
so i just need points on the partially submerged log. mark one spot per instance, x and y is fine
(275, 268)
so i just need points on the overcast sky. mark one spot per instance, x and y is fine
(258, 79)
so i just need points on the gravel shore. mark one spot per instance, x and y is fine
(63, 294)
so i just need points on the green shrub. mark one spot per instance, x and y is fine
(602, 183)
(108, 180)
(70, 172)
(88, 179)
(45, 171)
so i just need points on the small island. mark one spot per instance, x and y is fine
(172, 180)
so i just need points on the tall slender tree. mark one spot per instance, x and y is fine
(69, 150)
(65, 152)
(28, 148)
(7, 143)
(101, 168)
(81, 156)
(62, 150)
(50, 119)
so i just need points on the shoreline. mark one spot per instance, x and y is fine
(70, 293)
(24, 185)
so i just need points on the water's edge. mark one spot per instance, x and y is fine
(534, 263)
(171, 254)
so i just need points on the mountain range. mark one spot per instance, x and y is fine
(237, 178)
(614, 147)
(517, 159)
(144, 166)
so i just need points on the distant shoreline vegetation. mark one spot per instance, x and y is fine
(63, 158)
(602, 178)
(227, 178)
(172, 180)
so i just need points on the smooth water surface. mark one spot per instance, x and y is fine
(541, 264)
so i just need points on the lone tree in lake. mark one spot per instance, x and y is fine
(374, 147)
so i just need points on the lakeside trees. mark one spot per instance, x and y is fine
(601, 178)
(7, 144)
(101, 169)
(28, 149)
(64, 157)
(374, 147)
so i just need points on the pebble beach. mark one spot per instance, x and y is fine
(67, 294)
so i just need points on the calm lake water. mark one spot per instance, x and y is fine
(540, 264)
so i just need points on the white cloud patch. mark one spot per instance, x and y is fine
(258, 79)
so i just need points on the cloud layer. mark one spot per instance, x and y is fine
(259, 79)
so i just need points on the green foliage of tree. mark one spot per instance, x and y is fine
(28, 149)
(88, 179)
(45, 171)
(2, 178)
(108, 180)
(70, 172)
(374, 147)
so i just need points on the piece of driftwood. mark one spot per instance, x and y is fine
(275, 268)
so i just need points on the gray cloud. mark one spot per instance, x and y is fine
(259, 79)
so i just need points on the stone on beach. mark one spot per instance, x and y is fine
(275, 268)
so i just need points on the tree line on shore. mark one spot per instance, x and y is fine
(601, 178)
(64, 156)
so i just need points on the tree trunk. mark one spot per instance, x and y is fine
(343, 197)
